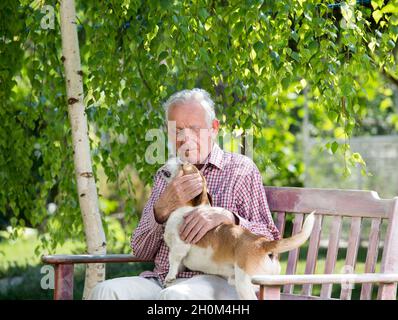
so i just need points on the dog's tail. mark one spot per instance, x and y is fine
(298, 239)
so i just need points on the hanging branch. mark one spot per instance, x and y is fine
(87, 191)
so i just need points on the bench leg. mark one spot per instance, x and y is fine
(63, 282)
(270, 293)
(387, 291)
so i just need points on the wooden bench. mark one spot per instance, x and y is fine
(335, 205)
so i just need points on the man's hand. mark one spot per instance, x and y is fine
(199, 221)
(177, 193)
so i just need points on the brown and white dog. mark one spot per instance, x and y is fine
(228, 250)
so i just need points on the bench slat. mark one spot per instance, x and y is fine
(331, 256)
(280, 222)
(293, 254)
(312, 254)
(389, 261)
(356, 203)
(371, 257)
(352, 252)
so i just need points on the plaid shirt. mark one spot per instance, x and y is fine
(234, 182)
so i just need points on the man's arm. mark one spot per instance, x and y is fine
(252, 205)
(148, 235)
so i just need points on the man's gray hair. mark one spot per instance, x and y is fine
(198, 95)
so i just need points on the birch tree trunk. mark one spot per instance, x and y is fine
(87, 192)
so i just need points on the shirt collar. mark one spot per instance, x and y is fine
(215, 157)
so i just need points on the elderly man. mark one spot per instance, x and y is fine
(236, 188)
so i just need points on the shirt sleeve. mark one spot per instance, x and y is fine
(148, 235)
(253, 212)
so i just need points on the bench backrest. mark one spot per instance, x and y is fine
(354, 207)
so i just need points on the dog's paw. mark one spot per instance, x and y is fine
(168, 282)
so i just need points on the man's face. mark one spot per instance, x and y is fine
(192, 135)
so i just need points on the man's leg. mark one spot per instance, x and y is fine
(200, 287)
(126, 288)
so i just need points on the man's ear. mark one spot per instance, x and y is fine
(215, 128)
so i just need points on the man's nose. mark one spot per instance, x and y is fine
(187, 135)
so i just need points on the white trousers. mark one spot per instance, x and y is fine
(199, 287)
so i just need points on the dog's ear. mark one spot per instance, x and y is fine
(204, 198)
(209, 199)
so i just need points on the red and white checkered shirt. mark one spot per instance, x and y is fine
(234, 182)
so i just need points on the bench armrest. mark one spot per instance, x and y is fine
(89, 258)
(279, 280)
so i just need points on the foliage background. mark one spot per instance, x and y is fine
(267, 64)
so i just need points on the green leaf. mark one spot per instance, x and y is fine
(203, 14)
(275, 58)
(334, 147)
(163, 55)
(237, 29)
(377, 15)
(295, 56)
(253, 54)
(294, 35)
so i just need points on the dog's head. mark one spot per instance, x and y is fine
(175, 167)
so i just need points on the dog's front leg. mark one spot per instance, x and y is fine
(231, 280)
(243, 284)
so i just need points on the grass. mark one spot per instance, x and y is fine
(19, 254)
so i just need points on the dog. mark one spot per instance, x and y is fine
(228, 250)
